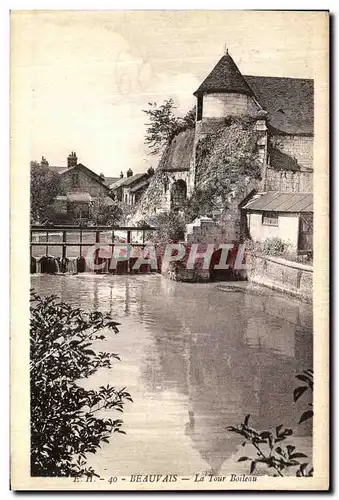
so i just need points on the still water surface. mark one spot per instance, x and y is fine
(195, 360)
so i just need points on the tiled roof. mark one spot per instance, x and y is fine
(127, 181)
(288, 101)
(177, 155)
(281, 202)
(140, 185)
(88, 172)
(108, 201)
(110, 180)
(225, 77)
(59, 170)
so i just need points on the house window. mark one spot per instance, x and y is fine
(75, 179)
(270, 219)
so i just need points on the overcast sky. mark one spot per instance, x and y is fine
(81, 79)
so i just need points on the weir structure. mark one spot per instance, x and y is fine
(55, 249)
(124, 250)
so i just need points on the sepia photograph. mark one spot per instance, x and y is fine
(170, 224)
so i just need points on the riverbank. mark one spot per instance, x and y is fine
(292, 278)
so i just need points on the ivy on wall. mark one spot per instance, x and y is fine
(226, 161)
(152, 198)
(224, 158)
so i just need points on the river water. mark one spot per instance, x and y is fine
(195, 359)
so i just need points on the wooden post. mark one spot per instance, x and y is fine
(112, 248)
(63, 245)
(97, 240)
(128, 250)
(80, 251)
(47, 244)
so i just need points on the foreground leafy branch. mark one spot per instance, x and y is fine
(268, 444)
(66, 421)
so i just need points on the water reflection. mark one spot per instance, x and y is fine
(196, 359)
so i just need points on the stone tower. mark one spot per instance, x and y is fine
(224, 93)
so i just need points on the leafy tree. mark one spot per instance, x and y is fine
(66, 419)
(102, 213)
(45, 186)
(268, 444)
(164, 125)
(189, 118)
(171, 227)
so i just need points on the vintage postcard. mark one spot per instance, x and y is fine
(169, 227)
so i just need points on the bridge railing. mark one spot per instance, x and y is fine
(64, 238)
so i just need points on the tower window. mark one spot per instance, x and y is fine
(199, 107)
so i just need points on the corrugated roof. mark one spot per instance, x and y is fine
(178, 154)
(225, 77)
(289, 102)
(281, 202)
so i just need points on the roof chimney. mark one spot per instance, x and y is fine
(121, 175)
(150, 171)
(129, 172)
(72, 160)
(44, 162)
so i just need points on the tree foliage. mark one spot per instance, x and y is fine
(163, 125)
(67, 420)
(45, 186)
(102, 213)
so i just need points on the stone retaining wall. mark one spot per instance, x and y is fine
(290, 277)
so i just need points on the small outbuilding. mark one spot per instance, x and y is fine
(288, 216)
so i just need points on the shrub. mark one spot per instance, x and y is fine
(274, 246)
(66, 423)
(171, 227)
(103, 214)
(269, 445)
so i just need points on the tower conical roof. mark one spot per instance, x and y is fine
(225, 77)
